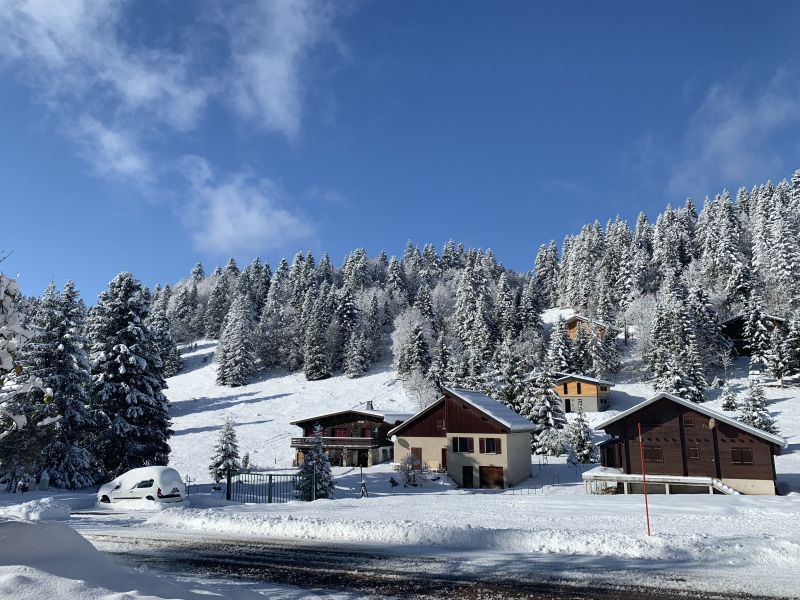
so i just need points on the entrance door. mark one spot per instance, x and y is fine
(466, 477)
(417, 453)
(363, 459)
(567, 405)
(444, 459)
(491, 477)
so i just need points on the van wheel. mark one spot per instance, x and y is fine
(151, 498)
(105, 499)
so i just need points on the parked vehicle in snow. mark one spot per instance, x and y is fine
(158, 484)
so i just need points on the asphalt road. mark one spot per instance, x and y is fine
(366, 574)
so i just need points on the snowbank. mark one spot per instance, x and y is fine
(37, 510)
(50, 560)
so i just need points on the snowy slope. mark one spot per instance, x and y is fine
(262, 410)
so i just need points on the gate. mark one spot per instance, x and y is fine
(264, 488)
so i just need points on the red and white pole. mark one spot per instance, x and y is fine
(644, 479)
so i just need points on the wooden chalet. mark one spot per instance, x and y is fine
(574, 390)
(475, 439)
(733, 329)
(687, 448)
(576, 322)
(351, 437)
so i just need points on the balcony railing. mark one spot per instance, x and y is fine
(337, 442)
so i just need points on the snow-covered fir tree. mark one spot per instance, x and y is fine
(757, 334)
(161, 328)
(236, 356)
(559, 349)
(754, 409)
(579, 436)
(316, 364)
(728, 398)
(356, 360)
(542, 407)
(127, 380)
(225, 456)
(315, 479)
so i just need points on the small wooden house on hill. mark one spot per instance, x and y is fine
(477, 440)
(352, 437)
(687, 447)
(733, 329)
(576, 322)
(574, 390)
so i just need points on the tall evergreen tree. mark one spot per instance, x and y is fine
(754, 409)
(542, 407)
(127, 380)
(236, 355)
(161, 328)
(315, 479)
(559, 349)
(225, 457)
(579, 435)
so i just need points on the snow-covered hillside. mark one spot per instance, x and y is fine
(262, 410)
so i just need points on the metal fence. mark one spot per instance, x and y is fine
(265, 488)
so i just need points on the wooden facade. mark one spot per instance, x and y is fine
(683, 439)
(733, 329)
(593, 394)
(476, 440)
(351, 437)
(576, 322)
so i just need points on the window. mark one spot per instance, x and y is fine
(603, 388)
(566, 388)
(440, 425)
(340, 432)
(693, 452)
(490, 445)
(145, 484)
(463, 445)
(654, 454)
(688, 421)
(742, 456)
(579, 387)
(650, 423)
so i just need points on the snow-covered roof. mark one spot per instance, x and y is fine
(561, 377)
(754, 431)
(494, 409)
(389, 417)
(588, 320)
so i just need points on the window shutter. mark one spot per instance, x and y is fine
(482, 445)
(498, 446)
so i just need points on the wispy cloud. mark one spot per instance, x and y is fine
(731, 136)
(238, 213)
(113, 154)
(271, 43)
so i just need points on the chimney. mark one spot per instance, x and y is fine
(369, 405)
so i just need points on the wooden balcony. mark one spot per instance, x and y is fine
(338, 442)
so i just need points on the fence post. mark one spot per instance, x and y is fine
(269, 489)
(227, 484)
(314, 484)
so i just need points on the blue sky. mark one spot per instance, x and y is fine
(144, 136)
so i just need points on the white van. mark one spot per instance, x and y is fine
(159, 484)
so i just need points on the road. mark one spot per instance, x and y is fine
(365, 573)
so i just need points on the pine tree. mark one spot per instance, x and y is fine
(315, 364)
(315, 479)
(559, 348)
(236, 356)
(356, 361)
(225, 457)
(127, 380)
(440, 363)
(198, 273)
(218, 304)
(581, 449)
(791, 346)
(777, 359)
(542, 407)
(756, 334)
(754, 409)
(373, 332)
(416, 352)
(509, 375)
(162, 332)
(580, 357)
(728, 398)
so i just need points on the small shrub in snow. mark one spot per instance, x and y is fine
(409, 468)
(315, 477)
(728, 398)
(226, 453)
(754, 409)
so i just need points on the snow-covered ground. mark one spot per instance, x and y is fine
(545, 525)
(262, 410)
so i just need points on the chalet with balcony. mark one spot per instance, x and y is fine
(574, 390)
(352, 437)
(686, 448)
(733, 329)
(475, 439)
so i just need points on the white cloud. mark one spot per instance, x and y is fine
(731, 136)
(113, 154)
(240, 213)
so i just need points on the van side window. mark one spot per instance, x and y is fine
(145, 484)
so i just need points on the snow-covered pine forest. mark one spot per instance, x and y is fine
(456, 315)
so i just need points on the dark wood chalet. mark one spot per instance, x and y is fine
(686, 444)
(352, 437)
(733, 329)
